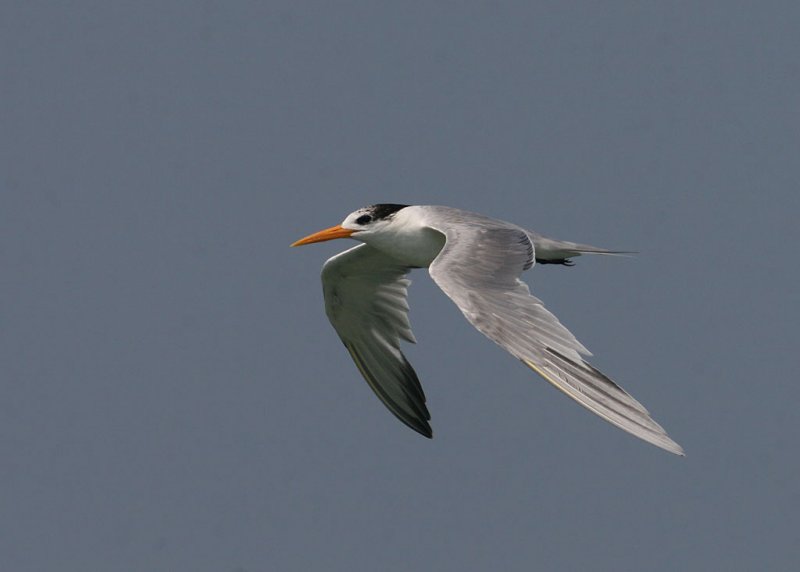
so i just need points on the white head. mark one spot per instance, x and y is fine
(360, 224)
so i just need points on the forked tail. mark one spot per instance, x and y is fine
(551, 251)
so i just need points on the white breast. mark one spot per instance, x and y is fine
(408, 240)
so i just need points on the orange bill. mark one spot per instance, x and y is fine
(323, 235)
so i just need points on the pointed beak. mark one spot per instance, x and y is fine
(323, 235)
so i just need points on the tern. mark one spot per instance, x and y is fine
(477, 261)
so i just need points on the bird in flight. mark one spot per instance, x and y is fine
(477, 262)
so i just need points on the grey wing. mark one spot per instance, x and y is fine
(479, 268)
(365, 300)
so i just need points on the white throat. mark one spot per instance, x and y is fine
(408, 239)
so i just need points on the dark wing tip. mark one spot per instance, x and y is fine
(428, 432)
(411, 410)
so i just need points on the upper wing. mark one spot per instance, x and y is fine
(479, 269)
(365, 299)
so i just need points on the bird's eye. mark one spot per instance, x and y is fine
(364, 219)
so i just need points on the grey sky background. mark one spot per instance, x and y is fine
(173, 397)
